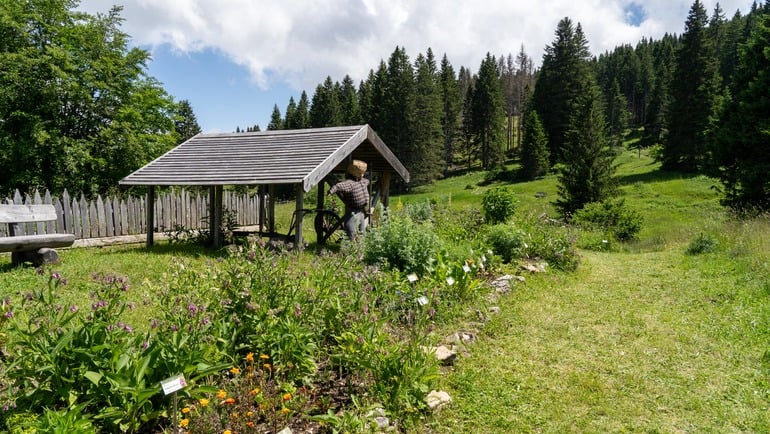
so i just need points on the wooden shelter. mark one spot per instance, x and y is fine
(303, 158)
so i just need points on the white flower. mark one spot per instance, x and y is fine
(412, 277)
(450, 281)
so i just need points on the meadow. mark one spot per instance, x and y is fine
(668, 332)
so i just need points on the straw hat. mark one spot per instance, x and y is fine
(357, 168)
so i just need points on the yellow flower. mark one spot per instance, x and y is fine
(286, 396)
(203, 402)
(264, 356)
(227, 431)
(184, 422)
(230, 401)
(285, 410)
(250, 357)
(235, 415)
(186, 410)
(267, 366)
(254, 391)
(221, 394)
(249, 413)
(235, 370)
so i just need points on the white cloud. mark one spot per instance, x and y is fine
(300, 42)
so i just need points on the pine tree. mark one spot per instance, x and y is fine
(742, 149)
(325, 108)
(535, 160)
(488, 114)
(657, 111)
(695, 93)
(276, 122)
(588, 173)
(451, 108)
(427, 135)
(186, 124)
(617, 114)
(350, 113)
(302, 117)
(565, 70)
(397, 109)
(290, 120)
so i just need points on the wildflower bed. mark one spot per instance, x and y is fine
(264, 338)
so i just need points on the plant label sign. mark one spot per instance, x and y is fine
(171, 385)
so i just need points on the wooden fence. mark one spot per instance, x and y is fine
(115, 216)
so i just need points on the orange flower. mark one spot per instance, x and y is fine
(203, 402)
(186, 410)
(250, 357)
(221, 394)
(230, 401)
(285, 410)
(286, 396)
(254, 391)
(184, 422)
(250, 424)
(235, 370)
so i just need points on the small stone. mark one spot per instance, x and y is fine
(382, 422)
(460, 338)
(520, 278)
(437, 399)
(534, 267)
(286, 430)
(494, 310)
(445, 355)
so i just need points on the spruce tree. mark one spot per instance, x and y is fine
(535, 160)
(695, 93)
(451, 107)
(428, 141)
(350, 113)
(290, 120)
(325, 108)
(276, 122)
(302, 116)
(564, 71)
(186, 124)
(742, 149)
(588, 172)
(488, 114)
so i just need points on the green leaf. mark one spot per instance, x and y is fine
(95, 377)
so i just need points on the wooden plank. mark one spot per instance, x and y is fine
(109, 217)
(67, 213)
(124, 228)
(50, 227)
(150, 216)
(25, 243)
(77, 222)
(93, 220)
(27, 213)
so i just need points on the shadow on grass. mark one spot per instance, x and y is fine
(654, 176)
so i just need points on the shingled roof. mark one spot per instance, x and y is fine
(270, 157)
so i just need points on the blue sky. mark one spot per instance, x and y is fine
(235, 59)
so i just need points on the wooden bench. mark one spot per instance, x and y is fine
(38, 248)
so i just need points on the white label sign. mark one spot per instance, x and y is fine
(171, 385)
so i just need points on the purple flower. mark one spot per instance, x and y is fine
(193, 309)
(145, 345)
(128, 328)
(9, 314)
(73, 308)
(297, 310)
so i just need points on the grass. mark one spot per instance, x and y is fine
(644, 338)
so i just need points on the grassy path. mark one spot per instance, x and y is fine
(643, 342)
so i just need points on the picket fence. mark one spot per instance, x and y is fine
(115, 216)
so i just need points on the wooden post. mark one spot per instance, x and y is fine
(261, 209)
(271, 208)
(298, 209)
(385, 189)
(217, 217)
(150, 216)
(212, 211)
(321, 194)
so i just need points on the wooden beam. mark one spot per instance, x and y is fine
(212, 211)
(150, 216)
(298, 209)
(271, 209)
(385, 188)
(217, 217)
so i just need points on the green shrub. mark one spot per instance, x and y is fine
(611, 215)
(506, 241)
(550, 243)
(419, 212)
(702, 243)
(499, 204)
(401, 244)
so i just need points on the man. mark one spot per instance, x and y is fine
(354, 193)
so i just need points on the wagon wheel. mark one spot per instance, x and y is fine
(327, 224)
